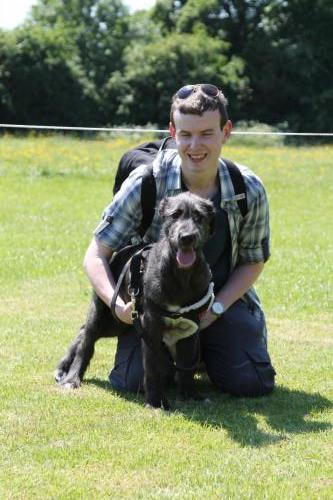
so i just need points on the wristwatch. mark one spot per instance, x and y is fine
(218, 308)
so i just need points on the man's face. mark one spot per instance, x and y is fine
(199, 139)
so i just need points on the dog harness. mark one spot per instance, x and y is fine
(184, 319)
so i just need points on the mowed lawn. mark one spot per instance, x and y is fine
(96, 443)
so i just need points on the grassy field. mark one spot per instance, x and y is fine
(95, 443)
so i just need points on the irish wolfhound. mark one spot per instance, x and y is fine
(172, 289)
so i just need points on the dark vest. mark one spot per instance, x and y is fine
(218, 248)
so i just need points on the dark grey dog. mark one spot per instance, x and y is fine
(176, 290)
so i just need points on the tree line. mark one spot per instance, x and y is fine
(93, 63)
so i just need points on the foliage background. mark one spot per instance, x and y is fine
(92, 63)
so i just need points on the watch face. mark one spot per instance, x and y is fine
(217, 308)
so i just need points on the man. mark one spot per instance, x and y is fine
(233, 332)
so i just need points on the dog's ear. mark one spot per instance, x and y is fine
(211, 217)
(162, 208)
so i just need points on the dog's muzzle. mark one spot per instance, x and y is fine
(186, 254)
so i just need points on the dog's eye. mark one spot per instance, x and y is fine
(176, 214)
(197, 216)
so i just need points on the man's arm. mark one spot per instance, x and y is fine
(239, 282)
(96, 265)
(253, 250)
(120, 222)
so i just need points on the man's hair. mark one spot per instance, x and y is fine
(198, 102)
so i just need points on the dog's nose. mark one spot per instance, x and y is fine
(187, 239)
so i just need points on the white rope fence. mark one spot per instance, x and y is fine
(150, 130)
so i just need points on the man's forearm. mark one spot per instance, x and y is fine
(96, 264)
(101, 279)
(241, 279)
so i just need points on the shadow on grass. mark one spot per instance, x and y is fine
(286, 411)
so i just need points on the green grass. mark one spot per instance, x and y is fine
(95, 443)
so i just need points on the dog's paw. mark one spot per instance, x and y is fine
(153, 408)
(70, 383)
(59, 375)
(162, 404)
(191, 394)
(166, 405)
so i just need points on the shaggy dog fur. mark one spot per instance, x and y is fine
(175, 275)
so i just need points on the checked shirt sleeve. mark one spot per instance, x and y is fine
(254, 229)
(122, 218)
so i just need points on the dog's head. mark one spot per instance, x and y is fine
(188, 221)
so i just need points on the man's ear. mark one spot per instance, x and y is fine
(227, 131)
(172, 130)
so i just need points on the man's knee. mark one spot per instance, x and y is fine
(254, 377)
(127, 374)
(252, 381)
(134, 381)
(127, 378)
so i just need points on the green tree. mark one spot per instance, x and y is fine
(89, 62)
(7, 50)
(286, 46)
(42, 79)
(290, 66)
(98, 30)
(235, 20)
(55, 67)
(154, 72)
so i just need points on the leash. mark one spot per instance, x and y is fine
(135, 286)
(135, 289)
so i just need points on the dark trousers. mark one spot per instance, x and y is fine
(233, 349)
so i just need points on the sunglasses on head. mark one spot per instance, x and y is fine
(206, 88)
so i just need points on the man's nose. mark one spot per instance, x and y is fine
(195, 141)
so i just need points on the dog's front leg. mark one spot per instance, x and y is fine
(80, 352)
(71, 368)
(154, 362)
(65, 363)
(187, 359)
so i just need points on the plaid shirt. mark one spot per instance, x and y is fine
(249, 235)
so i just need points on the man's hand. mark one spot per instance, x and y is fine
(207, 320)
(124, 313)
(241, 279)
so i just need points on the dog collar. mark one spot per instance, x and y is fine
(208, 297)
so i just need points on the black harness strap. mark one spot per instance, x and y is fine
(136, 292)
(148, 199)
(117, 289)
(135, 287)
(238, 183)
(148, 187)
